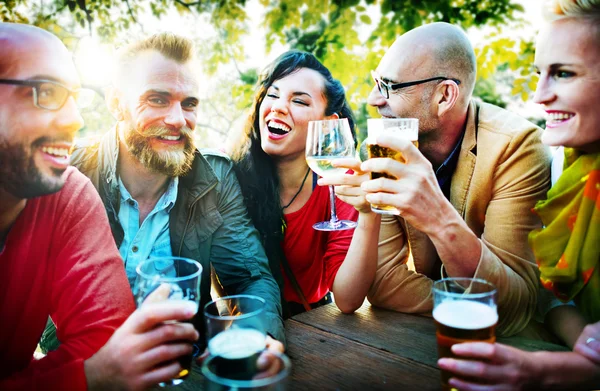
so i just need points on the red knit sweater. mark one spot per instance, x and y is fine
(315, 256)
(60, 259)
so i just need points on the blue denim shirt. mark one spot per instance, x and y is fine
(208, 223)
(152, 238)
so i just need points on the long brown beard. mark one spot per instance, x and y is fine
(170, 163)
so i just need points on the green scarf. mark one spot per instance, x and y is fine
(567, 249)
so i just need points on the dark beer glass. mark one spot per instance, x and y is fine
(236, 335)
(183, 276)
(236, 352)
(276, 382)
(403, 127)
(464, 310)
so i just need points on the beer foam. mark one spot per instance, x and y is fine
(237, 343)
(403, 127)
(465, 314)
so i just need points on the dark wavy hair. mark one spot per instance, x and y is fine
(255, 169)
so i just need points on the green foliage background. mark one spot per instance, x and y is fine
(348, 36)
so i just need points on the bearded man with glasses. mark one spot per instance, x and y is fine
(57, 254)
(464, 194)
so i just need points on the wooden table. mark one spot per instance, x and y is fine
(373, 349)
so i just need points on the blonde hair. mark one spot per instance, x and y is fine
(171, 46)
(558, 9)
(586, 11)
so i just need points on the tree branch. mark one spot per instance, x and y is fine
(218, 130)
(188, 5)
(235, 64)
(53, 14)
(132, 15)
(219, 114)
(88, 15)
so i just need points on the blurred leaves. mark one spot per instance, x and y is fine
(9, 12)
(511, 59)
(348, 36)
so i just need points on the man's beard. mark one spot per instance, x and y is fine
(170, 163)
(19, 174)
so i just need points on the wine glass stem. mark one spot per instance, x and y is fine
(334, 220)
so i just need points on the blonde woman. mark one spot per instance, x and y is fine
(568, 247)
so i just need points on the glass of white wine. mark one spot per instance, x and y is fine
(328, 140)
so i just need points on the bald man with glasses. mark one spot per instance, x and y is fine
(464, 195)
(57, 254)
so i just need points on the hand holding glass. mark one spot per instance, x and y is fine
(276, 382)
(464, 310)
(235, 328)
(182, 278)
(402, 127)
(328, 140)
(236, 335)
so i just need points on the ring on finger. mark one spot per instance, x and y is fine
(589, 340)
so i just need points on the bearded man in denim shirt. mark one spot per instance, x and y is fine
(164, 197)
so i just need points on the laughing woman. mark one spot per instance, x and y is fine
(282, 195)
(568, 247)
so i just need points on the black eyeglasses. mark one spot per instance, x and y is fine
(51, 95)
(384, 88)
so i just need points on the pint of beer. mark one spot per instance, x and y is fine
(464, 310)
(181, 276)
(236, 335)
(403, 127)
(236, 351)
(272, 382)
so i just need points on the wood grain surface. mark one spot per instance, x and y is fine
(372, 349)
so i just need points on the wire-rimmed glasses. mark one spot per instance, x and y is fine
(385, 87)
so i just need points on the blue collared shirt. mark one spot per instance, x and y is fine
(445, 171)
(152, 238)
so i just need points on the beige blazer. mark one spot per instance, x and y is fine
(503, 169)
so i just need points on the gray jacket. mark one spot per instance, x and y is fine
(208, 223)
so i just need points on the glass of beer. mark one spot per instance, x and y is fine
(464, 310)
(236, 335)
(275, 382)
(182, 276)
(326, 141)
(402, 127)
